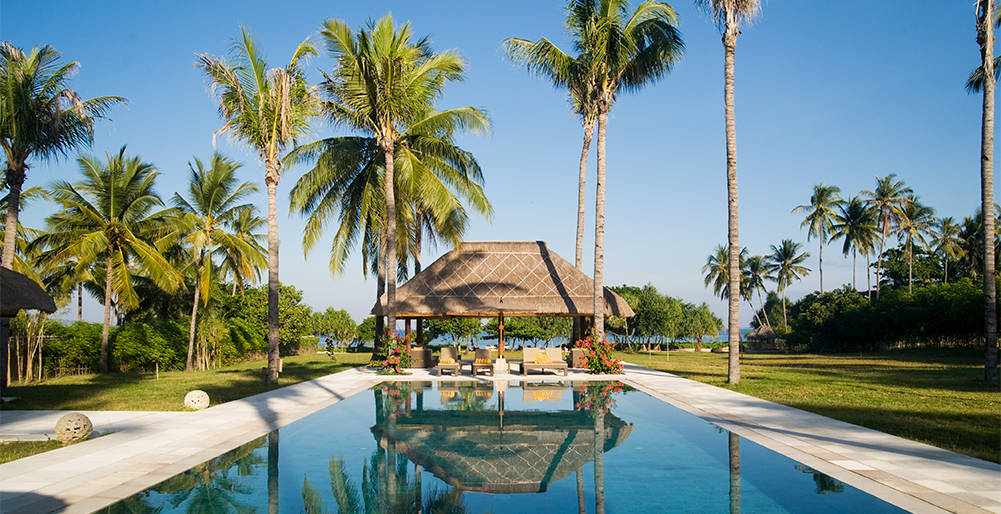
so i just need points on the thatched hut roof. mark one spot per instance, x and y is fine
(484, 279)
(18, 292)
(763, 333)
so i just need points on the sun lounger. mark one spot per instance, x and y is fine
(532, 360)
(449, 361)
(483, 362)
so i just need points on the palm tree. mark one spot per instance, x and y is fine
(820, 218)
(106, 219)
(385, 85)
(916, 221)
(244, 226)
(856, 223)
(946, 241)
(728, 15)
(788, 260)
(975, 82)
(985, 38)
(624, 52)
(888, 199)
(268, 110)
(757, 269)
(576, 74)
(39, 116)
(717, 271)
(213, 202)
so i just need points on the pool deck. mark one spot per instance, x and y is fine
(145, 448)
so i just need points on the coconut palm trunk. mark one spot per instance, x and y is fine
(734, 450)
(387, 149)
(108, 263)
(380, 286)
(582, 175)
(985, 37)
(868, 278)
(820, 263)
(733, 239)
(599, 229)
(15, 180)
(189, 364)
(581, 184)
(271, 180)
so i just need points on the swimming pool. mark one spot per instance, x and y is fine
(482, 446)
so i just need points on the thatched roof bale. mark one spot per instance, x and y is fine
(18, 292)
(484, 279)
(763, 333)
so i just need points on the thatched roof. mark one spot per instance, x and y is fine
(18, 292)
(470, 451)
(763, 333)
(484, 279)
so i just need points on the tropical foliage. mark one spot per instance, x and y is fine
(40, 117)
(107, 224)
(598, 358)
(385, 85)
(269, 110)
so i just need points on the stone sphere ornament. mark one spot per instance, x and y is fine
(196, 399)
(73, 427)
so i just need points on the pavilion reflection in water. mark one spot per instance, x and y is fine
(475, 444)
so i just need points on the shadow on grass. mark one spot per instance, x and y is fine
(78, 396)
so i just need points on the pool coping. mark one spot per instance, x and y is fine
(147, 448)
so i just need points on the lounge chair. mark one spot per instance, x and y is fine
(449, 360)
(535, 358)
(421, 358)
(575, 358)
(483, 362)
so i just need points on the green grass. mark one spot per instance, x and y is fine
(934, 396)
(14, 450)
(135, 391)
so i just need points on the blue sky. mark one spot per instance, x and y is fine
(833, 92)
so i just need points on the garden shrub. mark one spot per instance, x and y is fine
(141, 347)
(74, 346)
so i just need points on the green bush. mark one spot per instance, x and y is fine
(845, 321)
(141, 347)
(73, 346)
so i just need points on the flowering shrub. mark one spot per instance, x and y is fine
(598, 396)
(598, 358)
(393, 358)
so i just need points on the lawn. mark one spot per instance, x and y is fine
(933, 396)
(135, 391)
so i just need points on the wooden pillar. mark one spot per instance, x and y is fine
(420, 332)
(406, 333)
(500, 334)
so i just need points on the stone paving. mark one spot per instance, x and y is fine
(145, 448)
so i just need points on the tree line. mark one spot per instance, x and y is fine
(926, 290)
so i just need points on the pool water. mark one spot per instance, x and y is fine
(519, 447)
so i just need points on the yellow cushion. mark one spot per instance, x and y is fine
(483, 361)
(483, 393)
(542, 358)
(448, 394)
(542, 395)
(448, 361)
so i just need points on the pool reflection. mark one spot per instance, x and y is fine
(485, 446)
